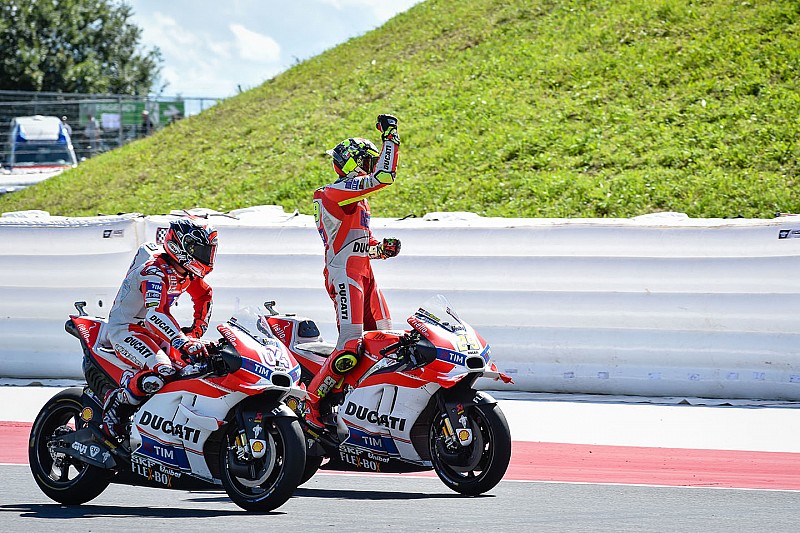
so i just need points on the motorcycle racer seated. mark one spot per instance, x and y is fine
(141, 328)
(342, 216)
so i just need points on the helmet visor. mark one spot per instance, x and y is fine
(368, 163)
(202, 252)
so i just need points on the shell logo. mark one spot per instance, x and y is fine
(258, 446)
(87, 414)
(464, 435)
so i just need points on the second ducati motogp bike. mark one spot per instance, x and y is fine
(410, 403)
(222, 422)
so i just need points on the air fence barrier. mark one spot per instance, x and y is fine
(659, 305)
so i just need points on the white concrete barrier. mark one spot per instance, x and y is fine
(660, 305)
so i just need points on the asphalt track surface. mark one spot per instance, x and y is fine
(585, 482)
(407, 503)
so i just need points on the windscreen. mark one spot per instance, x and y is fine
(438, 311)
(42, 153)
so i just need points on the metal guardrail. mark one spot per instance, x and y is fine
(117, 119)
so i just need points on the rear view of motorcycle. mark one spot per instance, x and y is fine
(410, 404)
(221, 423)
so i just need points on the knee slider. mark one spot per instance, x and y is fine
(344, 362)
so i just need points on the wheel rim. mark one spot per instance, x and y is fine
(457, 463)
(59, 468)
(267, 470)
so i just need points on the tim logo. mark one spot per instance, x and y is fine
(365, 219)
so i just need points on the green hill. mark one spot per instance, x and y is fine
(529, 108)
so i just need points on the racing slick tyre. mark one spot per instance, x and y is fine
(265, 483)
(478, 467)
(61, 477)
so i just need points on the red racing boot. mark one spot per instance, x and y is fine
(329, 378)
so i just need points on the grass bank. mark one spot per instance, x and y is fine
(530, 108)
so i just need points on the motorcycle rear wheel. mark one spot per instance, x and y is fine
(62, 478)
(274, 477)
(476, 468)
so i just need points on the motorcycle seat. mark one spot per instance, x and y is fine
(317, 348)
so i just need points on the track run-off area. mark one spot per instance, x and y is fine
(746, 447)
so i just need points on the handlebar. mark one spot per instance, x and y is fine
(406, 341)
(214, 364)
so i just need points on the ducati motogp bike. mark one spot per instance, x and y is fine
(222, 422)
(409, 404)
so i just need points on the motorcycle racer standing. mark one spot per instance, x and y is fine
(342, 216)
(140, 325)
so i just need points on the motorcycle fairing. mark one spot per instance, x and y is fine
(150, 473)
(89, 332)
(262, 355)
(168, 431)
(379, 418)
(469, 353)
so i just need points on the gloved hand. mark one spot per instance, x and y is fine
(387, 125)
(193, 351)
(390, 247)
(197, 330)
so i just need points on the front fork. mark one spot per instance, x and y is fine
(250, 441)
(454, 404)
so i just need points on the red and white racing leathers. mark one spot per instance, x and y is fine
(342, 215)
(140, 326)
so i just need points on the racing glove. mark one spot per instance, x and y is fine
(387, 125)
(193, 351)
(388, 248)
(197, 330)
(391, 247)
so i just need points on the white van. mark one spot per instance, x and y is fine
(39, 142)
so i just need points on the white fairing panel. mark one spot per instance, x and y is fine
(380, 418)
(169, 429)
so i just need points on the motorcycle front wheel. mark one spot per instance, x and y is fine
(265, 483)
(312, 465)
(62, 478)
(478, 467)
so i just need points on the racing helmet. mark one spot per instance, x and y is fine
(192, 245)
(354, 156)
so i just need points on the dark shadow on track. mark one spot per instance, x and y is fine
(377, 495)
(56, 511)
